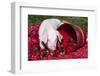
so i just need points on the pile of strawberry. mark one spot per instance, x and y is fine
(70, 48)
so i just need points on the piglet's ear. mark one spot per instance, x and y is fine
(59, 36)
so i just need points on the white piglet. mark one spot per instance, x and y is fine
(48, 33)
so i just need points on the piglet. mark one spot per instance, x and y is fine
(48, 33)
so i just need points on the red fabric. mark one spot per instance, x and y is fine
(71, 49)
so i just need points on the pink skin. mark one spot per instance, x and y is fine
(53, 36)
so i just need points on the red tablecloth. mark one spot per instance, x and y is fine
(70, 47)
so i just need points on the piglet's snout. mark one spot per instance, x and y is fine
(52, 47)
